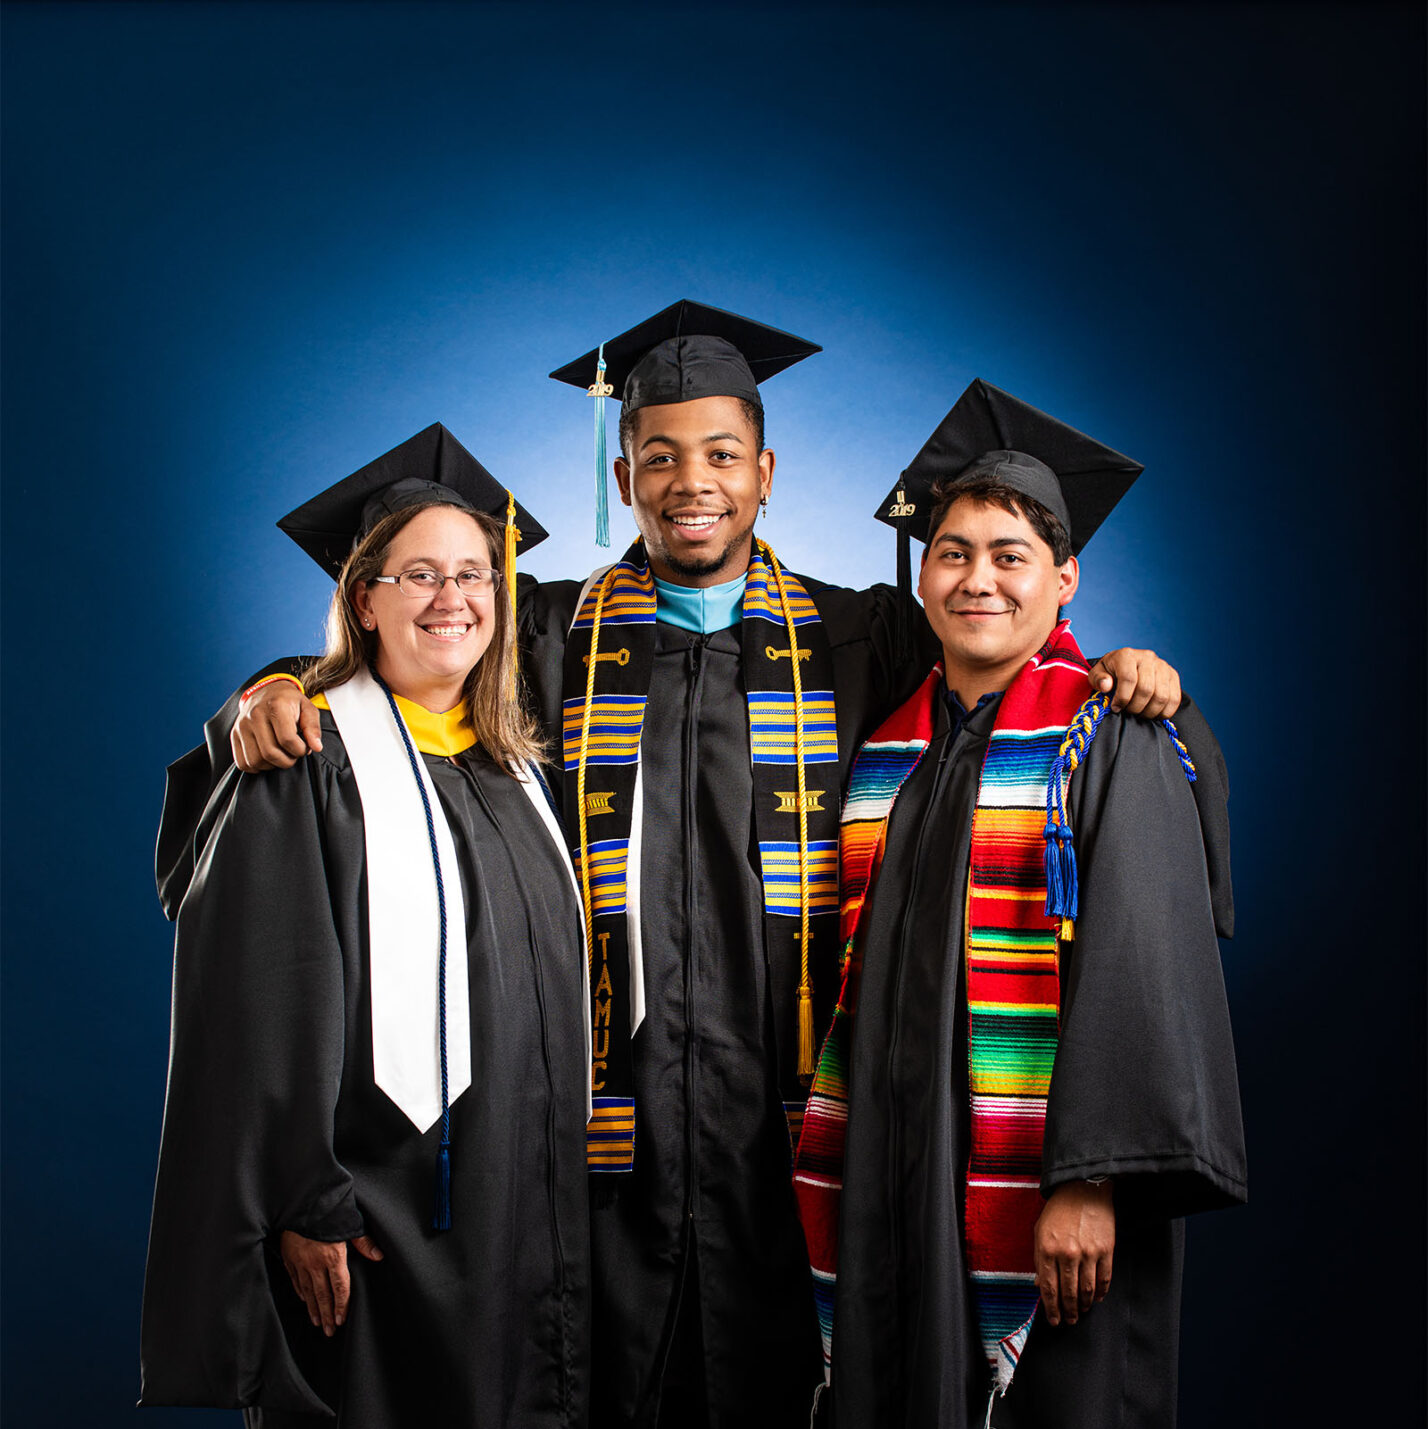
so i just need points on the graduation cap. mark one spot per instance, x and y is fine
(685, 352)
(991, 435)
(431, 466)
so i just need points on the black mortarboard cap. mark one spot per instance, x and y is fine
(686, 352)
(990, 433)
(431, 466)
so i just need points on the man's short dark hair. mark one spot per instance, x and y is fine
(753, 414)
(997, 493)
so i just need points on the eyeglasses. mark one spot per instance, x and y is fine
(475, 580)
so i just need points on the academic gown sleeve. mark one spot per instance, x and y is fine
(255, 1067)
(544, 612)
(192, 781)
(1144, 1087)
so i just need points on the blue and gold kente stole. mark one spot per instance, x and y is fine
(793, 744)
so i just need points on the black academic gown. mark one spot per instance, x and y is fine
(1144, 1090)
(702, 1292)
(273, 1120)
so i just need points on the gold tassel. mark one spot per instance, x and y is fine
(805, 1033)
(512, 536)
(1067, 931)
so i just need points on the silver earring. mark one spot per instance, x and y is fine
(763, 505)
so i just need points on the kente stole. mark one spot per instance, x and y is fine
(1012, 987)
(788, 680)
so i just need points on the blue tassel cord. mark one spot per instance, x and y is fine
(441, 1215)
(1062, 884)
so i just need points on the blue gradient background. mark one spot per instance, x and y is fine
(249, 247)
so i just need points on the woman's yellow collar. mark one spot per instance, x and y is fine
(441, 734)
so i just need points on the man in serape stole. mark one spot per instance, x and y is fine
(1030, 1077)
(707, 847)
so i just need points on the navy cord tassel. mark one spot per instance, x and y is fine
(441, 1216)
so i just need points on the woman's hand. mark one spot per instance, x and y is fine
(1074, 1242)
(318, 1271)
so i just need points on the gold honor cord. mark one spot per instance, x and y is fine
(580, 768)
(805, 982)
(512, 536)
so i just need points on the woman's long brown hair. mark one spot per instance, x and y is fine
(501, 723)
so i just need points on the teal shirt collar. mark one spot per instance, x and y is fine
(700, 610)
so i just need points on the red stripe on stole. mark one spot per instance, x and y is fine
(999, 1227)
(1009, 1144)
(1009, 913)
(1018, 988)
(819, 1213)
(1005, 848)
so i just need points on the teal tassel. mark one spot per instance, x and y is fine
(441, 1220)
(602, 495)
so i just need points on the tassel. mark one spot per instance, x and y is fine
(1067, 933)
(1055, 893)
(599, 390)
(512, 536)
(1061, 890)
(1068, 873)
(906, 606)
(805, 1033)
(441, 1220)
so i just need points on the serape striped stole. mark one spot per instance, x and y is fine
(788, 681)
(1012, 987)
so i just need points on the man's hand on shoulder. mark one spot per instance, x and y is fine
(1139, 683)
(1074, 1243)
(277, 724)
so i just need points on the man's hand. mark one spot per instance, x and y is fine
(1074, 1242)
(318, 1271)
(1142, 682)
(276, 726)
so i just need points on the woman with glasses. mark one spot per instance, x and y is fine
(371, 1191)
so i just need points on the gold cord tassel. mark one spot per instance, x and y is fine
(512, 536)
(805, 1032)
(586, 899)
(805, 982)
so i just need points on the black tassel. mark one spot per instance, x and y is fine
(907, 612)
